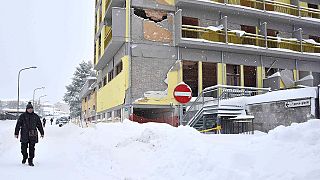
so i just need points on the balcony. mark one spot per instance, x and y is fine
(270, 5)
(114, 38)
(219, 39)
(249, 39)
(110, 4)
(276, 11)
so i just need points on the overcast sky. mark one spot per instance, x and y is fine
(54, 35)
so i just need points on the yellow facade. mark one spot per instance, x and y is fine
(113, 93)
(200, 85)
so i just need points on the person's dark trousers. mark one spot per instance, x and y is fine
(24, 147)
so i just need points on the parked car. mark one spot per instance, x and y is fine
(62, 121)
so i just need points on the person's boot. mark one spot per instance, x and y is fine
(30, 162)
(24, 160)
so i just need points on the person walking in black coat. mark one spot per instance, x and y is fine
(28, 124)
(44, 122)
(51, 121)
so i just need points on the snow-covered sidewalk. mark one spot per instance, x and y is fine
(158, 151)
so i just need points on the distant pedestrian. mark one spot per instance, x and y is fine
(44, 122)
(28, 124)
(51, 121)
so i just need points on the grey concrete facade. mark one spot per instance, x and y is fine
(272, 114)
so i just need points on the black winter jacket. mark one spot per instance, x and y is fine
(28, 123)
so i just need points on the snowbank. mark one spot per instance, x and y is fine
(158, 151)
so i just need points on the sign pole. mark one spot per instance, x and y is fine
(182, 94)
(180, 113)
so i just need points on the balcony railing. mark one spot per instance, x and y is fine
(250, 39)
(270, 5)
(107, 38)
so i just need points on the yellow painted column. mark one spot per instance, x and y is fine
(104, 2)
(260, 76)
(103, 35)
(222, 75)
(97, 49)
(282, 86)
(295, 75)
(200, 85)
(242, 75)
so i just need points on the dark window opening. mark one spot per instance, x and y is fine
(104, 81)
(251, 30)
(191, 22)
(100, 85)
(273, 33)
(248, 29)
(250, 78)
(313, 6)
(315, 38)
(233, 75)
(271, 71)
(119, 68)
(190, 76)
(209, 74)
(110, 76)
(85, 99)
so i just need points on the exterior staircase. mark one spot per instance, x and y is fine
(217, 106)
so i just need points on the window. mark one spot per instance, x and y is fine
(192, 22)
(100, 85)
(119, 68)
(249, 29)
(190, 76)
(85, 99)
(271, 71)
(250, 78)
(273, 33)
(110, 76)
(233, 75)
(313, 6)
(315, 38)
(104, 81)
(209, 74)
(94, 107)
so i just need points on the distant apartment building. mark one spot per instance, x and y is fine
(144, 48)
(88, 96)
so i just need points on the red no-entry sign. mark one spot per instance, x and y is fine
(182, 93)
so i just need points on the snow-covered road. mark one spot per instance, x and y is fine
(157, 151)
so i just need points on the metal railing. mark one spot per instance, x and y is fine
(270, 5)
(213, 95)
(249, 39)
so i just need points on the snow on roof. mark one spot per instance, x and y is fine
(281, 95)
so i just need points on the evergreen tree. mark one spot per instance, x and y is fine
(71, 97)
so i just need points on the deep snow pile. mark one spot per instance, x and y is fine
(158, 151)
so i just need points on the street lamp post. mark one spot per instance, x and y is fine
(33, 67)
(34, 92)
(40, 104)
